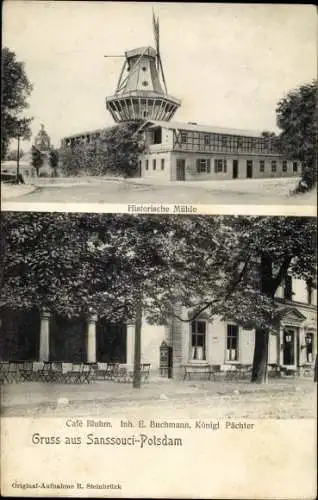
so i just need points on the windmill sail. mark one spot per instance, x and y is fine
(156, 31)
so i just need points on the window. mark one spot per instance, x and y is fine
(274, 166)
(309, 339)
(203, 165)
(295, 166)
(162, 164)
(154, 164)
(184, 138)
(288, 288)
(157, 135)
(147, 164)
(309, 292)
(220, 165)
(284, 168)
(207, 140)
(224, 141)
(262, 165)
(198, 340)
(232, 343)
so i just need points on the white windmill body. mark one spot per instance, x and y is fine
(141, 92)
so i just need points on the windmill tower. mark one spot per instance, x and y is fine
(141, 91)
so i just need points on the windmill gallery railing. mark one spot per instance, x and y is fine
(73, 373)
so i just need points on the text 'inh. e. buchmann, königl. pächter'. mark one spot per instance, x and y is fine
(163, 424)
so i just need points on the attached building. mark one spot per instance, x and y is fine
(188, 151)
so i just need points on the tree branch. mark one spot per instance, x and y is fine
(281, 273)
(231, 288)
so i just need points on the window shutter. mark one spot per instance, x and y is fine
(208, 165)
(198, 165)
(215, 166)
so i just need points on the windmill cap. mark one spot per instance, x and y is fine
(146, 51)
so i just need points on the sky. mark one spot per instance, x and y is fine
(229, 63)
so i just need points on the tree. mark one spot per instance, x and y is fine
(297, 117)
(16, 88)
(266, 133)
(36, 159)
(116, 152)
(54, 160)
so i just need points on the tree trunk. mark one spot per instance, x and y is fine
(137, 349)
(259, 370)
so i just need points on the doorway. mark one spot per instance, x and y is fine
(249, 169)
(288, 346)
(235, 169)
(180, 171)
(111, 341)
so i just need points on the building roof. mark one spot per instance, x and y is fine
(88, 132)
(194, 127)
(141, 51)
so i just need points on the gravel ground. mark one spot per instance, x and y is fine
(103, 190)
(283, 399)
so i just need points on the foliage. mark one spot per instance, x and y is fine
(16, 88)
(297, 117)
(115, 152)
(36, 158)
(101, 261)
(267, 133)
(54, 158)
(13, 155)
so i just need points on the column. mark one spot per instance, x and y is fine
(44, 354)
(279, 341)
(130, 345)
(167, 333)
(91, 339)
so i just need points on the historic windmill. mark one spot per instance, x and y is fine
(139, 93)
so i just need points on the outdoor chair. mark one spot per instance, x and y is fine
(45, 374)
(4, 370)
(26, 371)
(274, 370)
(13, 372)
(37, 369)
(101, 370)
(122, 375)
(144, 371)
(88, 372)
(57, 372)
(75, 374)
(231, 372)
(112, 370)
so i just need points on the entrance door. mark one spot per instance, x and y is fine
(235, 169)
(249, 169)
(288, 346)
(180, 172)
